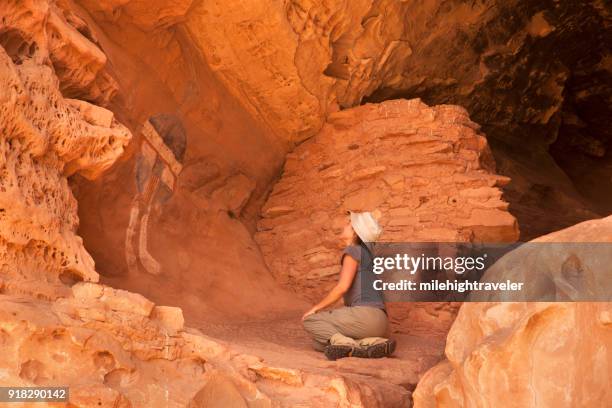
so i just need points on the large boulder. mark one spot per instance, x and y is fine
(530, 354)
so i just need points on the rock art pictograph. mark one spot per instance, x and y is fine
(157, 169)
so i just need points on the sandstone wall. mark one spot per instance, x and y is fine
(249, 80)
(530, 354)
(428, 170)
(293, 64)
(50, 56)
(179, 235)
(111, 347)
(44, 139)
(41, 30)
(532, 73)
(114, 348)
(184, 198)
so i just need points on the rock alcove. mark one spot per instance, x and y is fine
(203, 154)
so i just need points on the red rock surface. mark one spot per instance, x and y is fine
(536, 76)
(197, 232)
(46, 138)
(213, 98)
(110, 346)
(427, 170)
(117, 349)
(530, 353)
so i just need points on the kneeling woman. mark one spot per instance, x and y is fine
(358, 328)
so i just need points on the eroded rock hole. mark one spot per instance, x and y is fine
(69, 277)
(16, 46)
(33, 371)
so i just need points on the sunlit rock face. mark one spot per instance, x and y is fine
(535, 75)
(46, 32)
(211, 97)
(427, 170)
(46, 138)
(114, 348)
(533, 354)
(173, 218)
(294, 63)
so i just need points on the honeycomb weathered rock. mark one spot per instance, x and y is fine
(44, 139)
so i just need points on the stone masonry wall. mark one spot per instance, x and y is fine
(427, 170)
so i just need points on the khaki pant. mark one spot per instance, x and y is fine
(356, 322)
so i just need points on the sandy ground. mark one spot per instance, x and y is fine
(281, 341)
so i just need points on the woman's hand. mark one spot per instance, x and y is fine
(310, 311)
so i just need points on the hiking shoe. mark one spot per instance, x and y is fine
(360, 352)
(334, 352)
(381, 349)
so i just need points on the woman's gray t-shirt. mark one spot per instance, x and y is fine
(361, 292)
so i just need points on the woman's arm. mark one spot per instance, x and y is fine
(347, 274)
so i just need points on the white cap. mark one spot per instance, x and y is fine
(366, 226)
